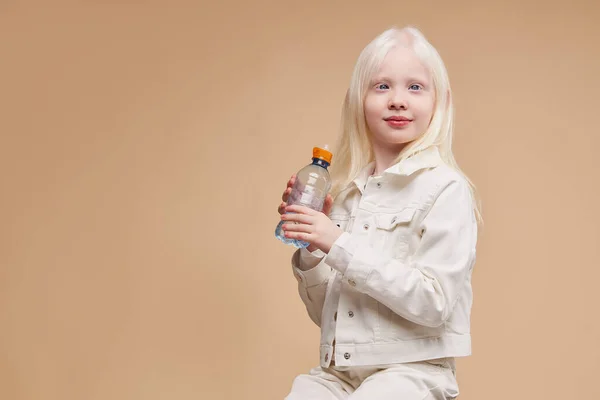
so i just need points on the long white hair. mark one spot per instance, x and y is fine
(353, 149)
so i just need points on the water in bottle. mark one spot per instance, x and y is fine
(310, 189)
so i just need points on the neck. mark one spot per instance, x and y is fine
(385, 156)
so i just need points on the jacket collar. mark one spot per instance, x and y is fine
(428, 158)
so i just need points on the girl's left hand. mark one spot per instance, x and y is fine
(311, 226)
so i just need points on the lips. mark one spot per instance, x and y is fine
(397, 118)
(398, 122)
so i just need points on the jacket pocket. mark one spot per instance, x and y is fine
(341, 220)
(389, 221)
(393, 232)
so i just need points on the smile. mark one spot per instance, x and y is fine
(397, 123)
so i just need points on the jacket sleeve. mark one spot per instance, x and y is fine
(425, 289)
(312, 275)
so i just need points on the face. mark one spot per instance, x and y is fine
(399, 101)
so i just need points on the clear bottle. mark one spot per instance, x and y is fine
(310, 189)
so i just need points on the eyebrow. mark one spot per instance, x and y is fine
(378, 78)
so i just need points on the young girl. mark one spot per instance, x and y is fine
(387, 275)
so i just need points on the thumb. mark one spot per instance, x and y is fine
(327, 204)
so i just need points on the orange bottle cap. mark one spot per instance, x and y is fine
(322, 153)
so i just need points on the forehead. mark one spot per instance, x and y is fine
(402, 61)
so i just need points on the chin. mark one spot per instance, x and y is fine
(395, 145)
(400, 140)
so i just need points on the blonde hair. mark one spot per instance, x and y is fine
(353, 149)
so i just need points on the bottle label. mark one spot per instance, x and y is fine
(307, 199)
(308, 196)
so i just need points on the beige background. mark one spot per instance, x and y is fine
(144, 148)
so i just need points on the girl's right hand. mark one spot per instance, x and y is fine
(286, 194)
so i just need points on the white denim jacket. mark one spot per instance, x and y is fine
(396, 285)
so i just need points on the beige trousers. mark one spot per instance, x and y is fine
(434, 379)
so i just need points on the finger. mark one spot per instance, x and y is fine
(281, 209)
(327, 204)
(291, 227)
(291, 181)
(286, 194)
(303, 236)
(294, 208)
(298, 218)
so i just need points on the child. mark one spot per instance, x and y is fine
(387, 275)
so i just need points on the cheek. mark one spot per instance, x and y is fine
(430, 105)
(371, 119)
(372, 110)
(425, 110)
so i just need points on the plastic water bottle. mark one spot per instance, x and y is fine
(310, 189)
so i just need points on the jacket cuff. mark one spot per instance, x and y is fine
(341, 253)
(306, 260)
(306, 255)
(313, 275)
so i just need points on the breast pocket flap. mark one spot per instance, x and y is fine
(388, 221)
(340, 220)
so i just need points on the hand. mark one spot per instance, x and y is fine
(286, 194)
(310, 226)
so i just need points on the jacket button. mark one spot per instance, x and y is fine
(350, 314)
(351, 282)
(366, 227)
(326, 357)
(347, 356)
(379, 184)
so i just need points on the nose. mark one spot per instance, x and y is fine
(397, 101)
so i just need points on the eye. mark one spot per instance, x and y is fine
(379, 86)
(415, 87)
